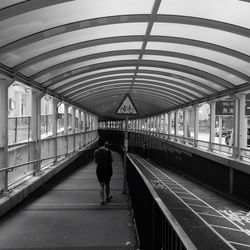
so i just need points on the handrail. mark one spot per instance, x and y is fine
(220, 149)
(9, 169)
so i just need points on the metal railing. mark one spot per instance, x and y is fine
(157, 229)
(24, 161)
(242, 154)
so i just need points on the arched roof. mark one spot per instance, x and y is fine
(165, 53)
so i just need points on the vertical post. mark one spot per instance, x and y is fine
(65, 123)
(241, 122)
(4, 161)
(185, 125)
(125, 156)
(74, 127)
(15, 129)
(176, 124)
(36, 128)
(169, 124)
(212, 125)
(220, 129)
(79, 127)
(54, 124)
(196, 125)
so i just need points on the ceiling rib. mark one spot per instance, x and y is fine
(45, 34)
(149, 63)
(148, 52)
(68, 86)
(172, 95)
(152, 18)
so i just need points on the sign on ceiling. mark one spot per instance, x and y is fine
(127, 107)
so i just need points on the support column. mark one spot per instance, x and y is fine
(169, 124)
(36, 129)
(185, 124)
(65, 123)
(54, 124)
(242, 121)
(4, 85)
(79, 127)
(176, 124)
(165, 123)
(84, 122)
(196, 124)
(212, 125)
(240, 125)
(79, 119)
(74, 127)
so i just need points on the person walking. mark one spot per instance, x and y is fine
(103, 159)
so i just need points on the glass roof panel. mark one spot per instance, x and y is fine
(102, 84)
(169, 85)
(98, 80)
(212, 70)
(8, 3)
(89, 74)
(185, 96)
(212, 55)
(178, 74)
(34, 68)
(61, 14)
(229, 11)
(59, 71)
(18, 56)
(218, 37)
(177, 80)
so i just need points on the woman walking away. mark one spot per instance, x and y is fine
(103, 161)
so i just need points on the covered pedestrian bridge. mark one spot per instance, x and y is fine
(66, 66)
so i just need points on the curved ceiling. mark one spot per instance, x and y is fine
(165, 53)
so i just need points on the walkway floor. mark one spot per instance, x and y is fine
(67, 214)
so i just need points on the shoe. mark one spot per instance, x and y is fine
(109, 198)
(102, 203)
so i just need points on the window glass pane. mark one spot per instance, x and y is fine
(204, 122)
(17, 56)
(179, 129)
(229, 11)
(83, 64)
(218, 37)
(34, 68)
(224, 122)
(190, 122)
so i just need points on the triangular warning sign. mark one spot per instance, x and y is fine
(127, 107)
